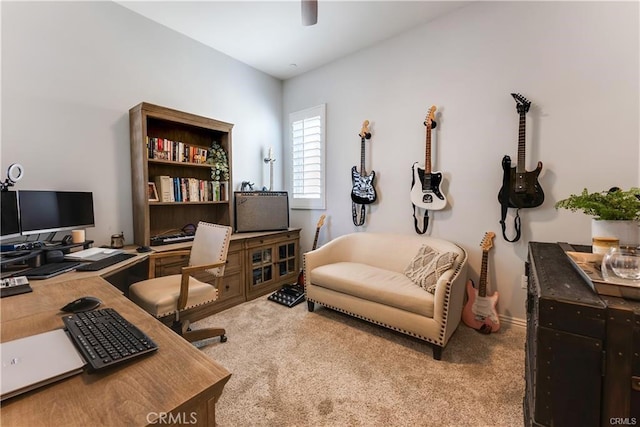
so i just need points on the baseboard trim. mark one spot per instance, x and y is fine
(513, 321)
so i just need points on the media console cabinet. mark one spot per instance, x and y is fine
(582, 351)
(258, 263)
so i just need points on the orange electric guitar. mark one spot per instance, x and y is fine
(480, 312)
(300, 282)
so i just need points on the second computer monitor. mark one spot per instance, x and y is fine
(51, 211)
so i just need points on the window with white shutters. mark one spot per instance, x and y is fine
(307, 130)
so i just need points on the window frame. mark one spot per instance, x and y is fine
(296, 116)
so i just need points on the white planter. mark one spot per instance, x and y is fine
(627, 232)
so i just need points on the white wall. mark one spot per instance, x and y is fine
(72, 70)
(577, 63)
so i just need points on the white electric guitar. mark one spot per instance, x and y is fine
(480, 310)
(425, 190)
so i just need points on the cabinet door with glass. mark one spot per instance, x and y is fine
(273, 262)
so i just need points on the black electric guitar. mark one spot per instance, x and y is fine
(520, 189)
(425, 190)
(363, 191)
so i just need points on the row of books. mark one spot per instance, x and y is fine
(165, 149)
(174, 189)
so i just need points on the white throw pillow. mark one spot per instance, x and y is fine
(427, 266)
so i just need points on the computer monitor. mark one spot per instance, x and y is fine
(51, 211)
(10, 221)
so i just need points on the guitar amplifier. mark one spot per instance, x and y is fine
(261, 211)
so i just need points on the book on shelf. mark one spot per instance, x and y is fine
(165, 188)
(194, 189)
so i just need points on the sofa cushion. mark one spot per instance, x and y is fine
(374, 284)
(427, 266)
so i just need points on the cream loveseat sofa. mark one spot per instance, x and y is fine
(362, 274)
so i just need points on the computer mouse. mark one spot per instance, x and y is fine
(82, 304)
(142, 249)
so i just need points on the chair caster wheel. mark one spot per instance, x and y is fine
(223, 338)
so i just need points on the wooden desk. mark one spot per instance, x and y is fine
(177, 379)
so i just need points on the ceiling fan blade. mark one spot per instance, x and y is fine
(309, 12)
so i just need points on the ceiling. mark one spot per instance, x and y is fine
(269, 35)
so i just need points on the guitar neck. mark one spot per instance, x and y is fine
(520, 168)
(362, 170)
(315, 239)
(427, 155)
(482, 286)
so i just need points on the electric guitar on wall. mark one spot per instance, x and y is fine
(425, 190)
(480, 312)
(300, 282)
(520, 189)
(363, 191)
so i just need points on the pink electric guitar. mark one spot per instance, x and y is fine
(480, 312)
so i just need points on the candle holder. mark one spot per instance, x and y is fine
(270, 160)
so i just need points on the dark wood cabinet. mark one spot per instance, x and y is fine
(582, 365)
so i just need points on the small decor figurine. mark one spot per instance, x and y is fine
(219, 163)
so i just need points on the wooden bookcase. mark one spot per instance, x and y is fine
(151, 218)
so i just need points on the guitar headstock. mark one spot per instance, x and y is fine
(522, 103)
(487, 241)
(321, 221)
(429, 120)
(364, 132)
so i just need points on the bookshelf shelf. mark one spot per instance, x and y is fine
(213, 202)
(185, 164)
(150, 123)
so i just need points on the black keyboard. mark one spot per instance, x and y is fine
(104, 262)
(105, 338)
(49, 270)
(171, 238)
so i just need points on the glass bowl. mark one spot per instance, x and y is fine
(622, 262)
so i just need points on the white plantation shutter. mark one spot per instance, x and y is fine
(307, 130)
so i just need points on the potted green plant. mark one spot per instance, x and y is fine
(616, 213)
(219, 171)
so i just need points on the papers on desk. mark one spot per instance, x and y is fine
(32, 362)
(92, 254)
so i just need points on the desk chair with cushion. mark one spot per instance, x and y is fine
(182, 295)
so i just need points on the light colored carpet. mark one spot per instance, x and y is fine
(294, 368)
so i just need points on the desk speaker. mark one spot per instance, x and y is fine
(261, 210)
